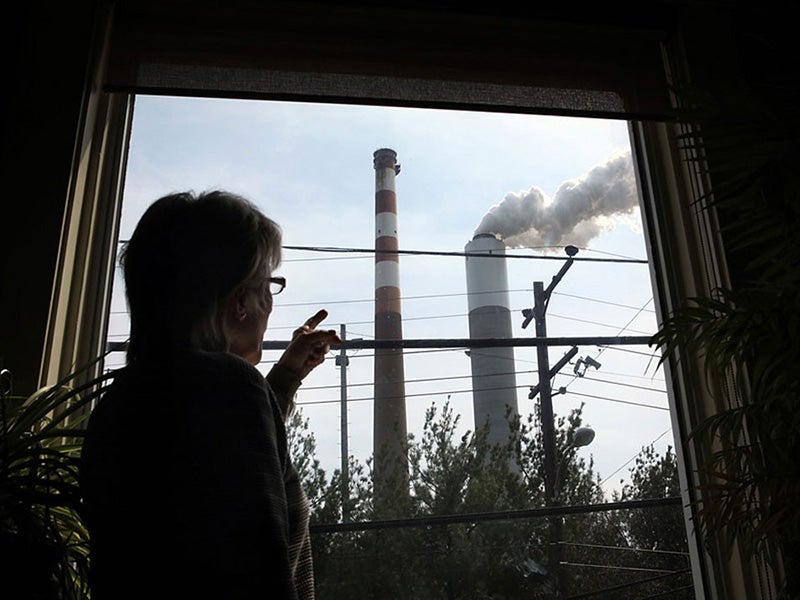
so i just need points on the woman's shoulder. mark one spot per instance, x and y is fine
(191, 367)
(185, 391)
(211, 364)
(194, 377)
(221, 374)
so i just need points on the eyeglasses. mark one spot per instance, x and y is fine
(276, 285)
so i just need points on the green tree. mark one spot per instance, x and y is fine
(655, 476)
(337, 556)
(461, 474)
(585, 537)
(454, 474)
(655, 544)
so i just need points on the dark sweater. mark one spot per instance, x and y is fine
(188, 485)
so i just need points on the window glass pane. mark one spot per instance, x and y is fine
(541, 184)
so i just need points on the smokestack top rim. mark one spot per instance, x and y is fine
(381, 151)
(485, 243)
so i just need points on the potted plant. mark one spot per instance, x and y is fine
(43, 541)
(749, 334)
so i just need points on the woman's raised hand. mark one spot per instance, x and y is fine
(309, 346)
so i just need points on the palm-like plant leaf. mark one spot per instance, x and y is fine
(749, 336)
(41, 526)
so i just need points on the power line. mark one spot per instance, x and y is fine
(469, 391)
(624, 327)
(588, 299)
(479, 353)
(405, 353)
(619, 568)
(432, 296)
(495, 515)
(320, 259)
(450, 378)
(403, 298)
(649, 355)
(447, 316)
(516, 372)
(599, 324)
(587, 250)
(425, 380)
(627, 462)
(418, 395)
(605, 591)
(625, 548)
(628, 385)
(364, 335)
(346, 250)
(621, 401)
(464, 315)
(617, 258)
(648, 378)
(481, 342)
(462, 294)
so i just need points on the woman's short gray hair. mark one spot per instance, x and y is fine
(188, 254)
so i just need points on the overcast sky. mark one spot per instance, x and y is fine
(309, 167)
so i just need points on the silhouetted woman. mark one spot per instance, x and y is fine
(188, 485)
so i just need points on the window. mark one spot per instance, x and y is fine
(310, 166)
(578, 65)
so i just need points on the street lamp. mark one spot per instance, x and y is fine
(582, 436)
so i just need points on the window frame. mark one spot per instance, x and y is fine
(686, 252)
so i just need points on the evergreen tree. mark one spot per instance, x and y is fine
(461, 474)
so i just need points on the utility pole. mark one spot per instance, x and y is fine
(541, 298)
(342, 361)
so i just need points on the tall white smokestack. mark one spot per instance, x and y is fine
(390, 429)
(494, 382)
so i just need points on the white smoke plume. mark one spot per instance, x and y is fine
(578, 212)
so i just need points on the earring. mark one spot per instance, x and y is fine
(242, 316)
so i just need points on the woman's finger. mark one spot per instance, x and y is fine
(322, 337)
(315, 320)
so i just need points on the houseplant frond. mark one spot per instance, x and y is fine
(44, 544)
(747, 337)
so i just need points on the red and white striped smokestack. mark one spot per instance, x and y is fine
(390, 429)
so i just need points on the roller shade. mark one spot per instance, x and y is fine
(389, 54)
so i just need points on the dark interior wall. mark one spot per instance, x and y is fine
(386, 53)
(46, 49)
(743, 58)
